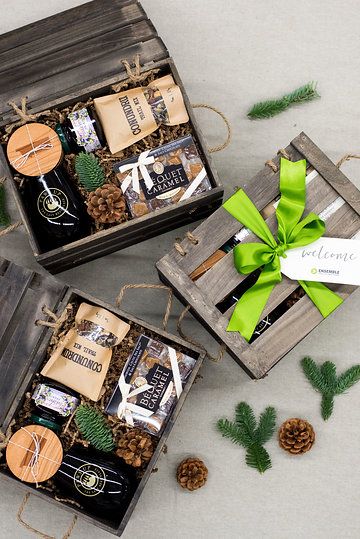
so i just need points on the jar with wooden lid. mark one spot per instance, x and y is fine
(56, 209)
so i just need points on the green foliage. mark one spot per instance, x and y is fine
(245, 431)
(90, 172)
(4, 218)
(267, 109)
(325, 381)
(94, 428)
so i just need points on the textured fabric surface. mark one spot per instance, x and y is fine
(232, 54)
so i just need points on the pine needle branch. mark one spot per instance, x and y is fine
(245, 431)
(4, 217)
(313, 374)
(257, 457)
(325, 380)
(271, 107)
(266, 427)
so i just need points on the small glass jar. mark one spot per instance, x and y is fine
(54, 404)
(81, 132)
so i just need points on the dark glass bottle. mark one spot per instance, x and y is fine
(53, 404)
(81, 132)
(55, 208)
(102, 483)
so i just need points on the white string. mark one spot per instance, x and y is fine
(22, 160)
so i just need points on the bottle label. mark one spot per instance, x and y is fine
(89, 479)
(52, 203)
(262, 325)
(85, 132)
(55, 400)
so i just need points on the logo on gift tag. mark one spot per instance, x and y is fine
(328, 260)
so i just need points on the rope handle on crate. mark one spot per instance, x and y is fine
(149, 286)
(194, 240)
(226, 122)
(38, 532)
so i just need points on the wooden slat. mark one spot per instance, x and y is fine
(215, 231)
(328, 170)
(38, 53)
(76, 81)
(222, 278)
(344, 223)
(87, 12)
(22, 295)
(289, 330)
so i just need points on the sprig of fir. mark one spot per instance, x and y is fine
(323, 378)
(267, 109)
(246, 432)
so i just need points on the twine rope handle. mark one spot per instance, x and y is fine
(38, 532)
(226, 121)
(149, 286)
(215, 359)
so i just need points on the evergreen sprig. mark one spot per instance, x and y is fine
(267, 109)
(90, 173)
(4, 217)
(324, 380)
(245, 431)
(94, 428)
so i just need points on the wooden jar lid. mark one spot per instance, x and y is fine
(34, 149)
(34, 454)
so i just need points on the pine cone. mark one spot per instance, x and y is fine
(192, 473)
(296, 436)
(136, 448)
(106, 204)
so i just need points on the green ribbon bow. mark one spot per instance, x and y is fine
(292, 233)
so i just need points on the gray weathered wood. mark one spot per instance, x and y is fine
(202, 295)
(22, 295)
(328, 170)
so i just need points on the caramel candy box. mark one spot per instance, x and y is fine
(177, 165)
(150, 364)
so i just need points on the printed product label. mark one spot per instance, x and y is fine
(166, 184)
(89, 479)
(84, 129)
(52, 203)
(55, 400)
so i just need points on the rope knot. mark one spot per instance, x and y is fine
(280, 249)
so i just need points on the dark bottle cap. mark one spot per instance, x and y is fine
(45, 423)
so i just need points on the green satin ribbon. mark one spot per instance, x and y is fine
(292, 233)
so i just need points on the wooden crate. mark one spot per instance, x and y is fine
(328, 184)
(69, 57)
(23, 348)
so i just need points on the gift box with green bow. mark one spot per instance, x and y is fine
(289, 204)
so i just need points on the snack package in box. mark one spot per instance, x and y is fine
(163, 176)
(150, 385)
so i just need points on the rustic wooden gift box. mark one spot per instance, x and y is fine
(328, 185)
(69, 57)
(23, 346)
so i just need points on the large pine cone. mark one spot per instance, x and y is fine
(192, 473)
(106, 204)
(296, 436)
(136, 448)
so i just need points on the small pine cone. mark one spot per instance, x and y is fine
(192, 473)
(136, 448)
(106, 204)
(296, 436)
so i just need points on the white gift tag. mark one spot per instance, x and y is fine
(328, 260)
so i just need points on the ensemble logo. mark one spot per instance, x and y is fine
(313, 271)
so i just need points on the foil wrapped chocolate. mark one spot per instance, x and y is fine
(163, 176)
(150, 385)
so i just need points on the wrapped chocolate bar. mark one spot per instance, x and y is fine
(150, 385)
(166, 175)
